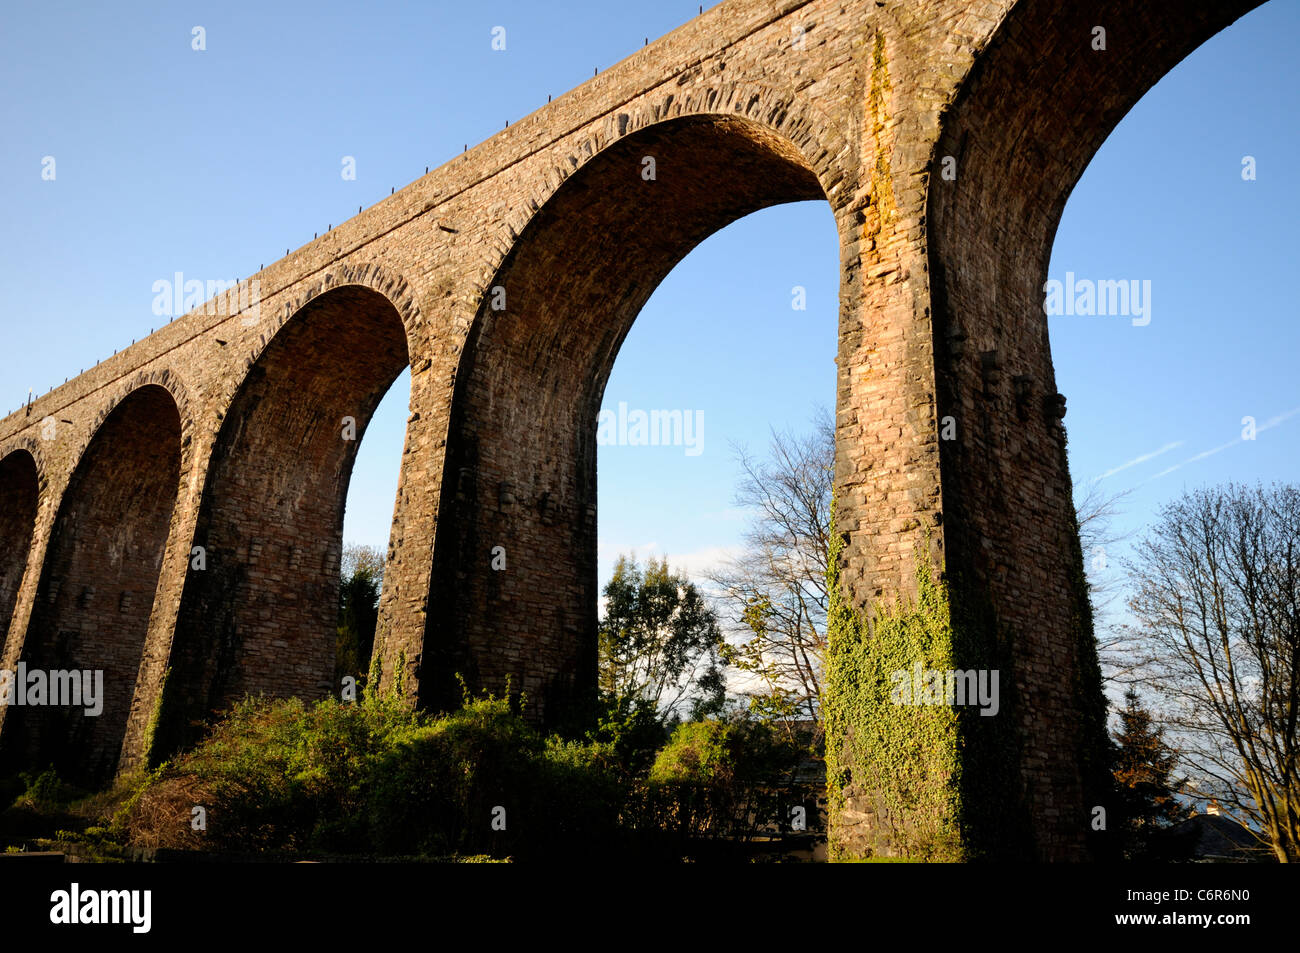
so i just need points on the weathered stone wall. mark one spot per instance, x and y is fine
(99, 578)
(753, 103)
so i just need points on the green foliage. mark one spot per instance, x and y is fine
(378, 777)
(943, 780)
(358, 620)
(731, 782)
(902, 757)
(46, 791)
(48, 812)
(696, 754)
(580, 796)
(631, 727)
(659, 641)
(755, 659)
(435, 785)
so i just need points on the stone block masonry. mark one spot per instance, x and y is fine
(946, 136)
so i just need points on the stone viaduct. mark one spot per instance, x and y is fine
(946, 136)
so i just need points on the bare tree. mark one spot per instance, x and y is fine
(773, 596)
(1096, 512)
(1125, 656)
(1217, 594)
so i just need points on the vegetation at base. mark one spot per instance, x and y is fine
(365, 775)
(42, 808)
(377, 779)
(903, 755)
(736, 780)
(372, 778)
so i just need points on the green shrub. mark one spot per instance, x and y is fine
(441, 787)
(698, 753)
(632, 727)
(580, 796)
(731, 782)
(377, 778)
(45, 792)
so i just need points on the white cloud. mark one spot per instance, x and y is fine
(695, 563)
(614, 550)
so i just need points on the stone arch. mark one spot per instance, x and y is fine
(32, 447)
(100, 576)
(161, 377)
(286, 307)
(1035, 107)
(521, 454)
(260, 617)
(20, 495)
(1038, 102)
(785, 114)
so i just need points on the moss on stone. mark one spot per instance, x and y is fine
(150, 729)
(882, 180)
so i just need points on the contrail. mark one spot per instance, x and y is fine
(1142, 459)
(1267, 425)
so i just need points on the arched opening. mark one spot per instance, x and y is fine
(740, 339)
(260, 617)
(19, 493)
(1216, 351)
(369, 520)
(515, 561)
(98, 583)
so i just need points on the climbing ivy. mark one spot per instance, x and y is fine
(943, 780)
(899, 761)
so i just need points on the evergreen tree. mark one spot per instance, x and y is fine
(1143, 770)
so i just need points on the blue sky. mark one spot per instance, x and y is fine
(214, 162)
